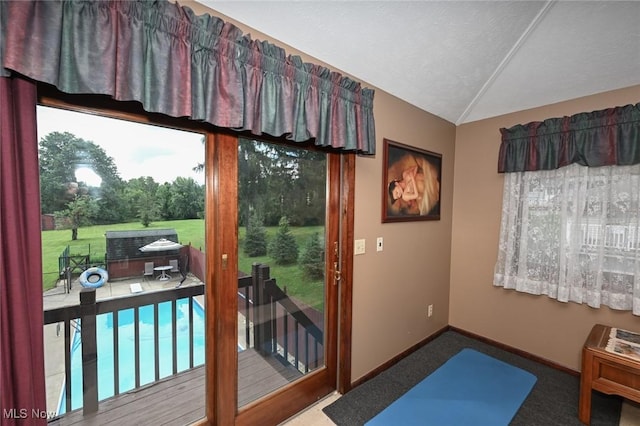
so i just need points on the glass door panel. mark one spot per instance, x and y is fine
(281, 266)
(123, 212)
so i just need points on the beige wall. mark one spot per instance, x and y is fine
(535, 324)
(392, 288)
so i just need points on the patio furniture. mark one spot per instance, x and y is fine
(148, 269)
(163, 272)
(174, 265)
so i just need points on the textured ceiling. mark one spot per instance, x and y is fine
(462, 60)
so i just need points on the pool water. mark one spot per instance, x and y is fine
(104, 336)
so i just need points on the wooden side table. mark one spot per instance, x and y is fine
(606, 372)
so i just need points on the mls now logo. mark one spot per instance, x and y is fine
(23, 413)
(15, 413)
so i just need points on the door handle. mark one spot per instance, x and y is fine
(337, 275)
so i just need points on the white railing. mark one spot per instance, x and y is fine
(618, 237)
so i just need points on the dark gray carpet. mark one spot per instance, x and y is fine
(553, 400)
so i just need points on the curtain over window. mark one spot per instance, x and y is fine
(183, 65)
(571, 230)
(573, 234)
(21, 356)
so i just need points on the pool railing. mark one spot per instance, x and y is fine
(276, 325)
(87, 311)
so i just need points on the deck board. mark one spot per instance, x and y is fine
(254, 382)
(180, 399)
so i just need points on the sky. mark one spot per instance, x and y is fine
(137, 149)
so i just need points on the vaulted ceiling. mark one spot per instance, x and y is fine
(462, 60)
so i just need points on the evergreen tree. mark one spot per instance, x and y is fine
(255, 241)
(284, 249)
(312, 258)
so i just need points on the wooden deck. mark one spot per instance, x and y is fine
(179, 400)
(258, 376)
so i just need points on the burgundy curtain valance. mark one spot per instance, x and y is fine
(599, 138)
(183, 65)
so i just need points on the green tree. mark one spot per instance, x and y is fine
(57, 155)
(141, 197)
(254, 166)
(312, 188)
(199, 168)
(277, 180)
(312, 258)
(78, 213)
(163, 201)
(187, 199)
(284, 248)
(255, 240)
(61, 155)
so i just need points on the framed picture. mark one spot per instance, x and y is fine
(411, 183)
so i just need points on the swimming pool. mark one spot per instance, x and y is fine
(104, 337)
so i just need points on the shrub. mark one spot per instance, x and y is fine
(312, 258)
(255, 240)
(284, 249)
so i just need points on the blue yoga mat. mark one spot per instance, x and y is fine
(471, 388)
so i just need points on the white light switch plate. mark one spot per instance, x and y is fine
(359, 247)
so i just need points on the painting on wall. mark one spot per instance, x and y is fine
(411, 183)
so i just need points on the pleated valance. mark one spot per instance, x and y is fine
(182, 65)
(599, 138)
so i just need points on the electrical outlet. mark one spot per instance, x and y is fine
(430, 311)
(359, 247)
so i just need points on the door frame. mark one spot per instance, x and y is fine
(221, 301)
(221, 229)
(345, 315)
(222, 277)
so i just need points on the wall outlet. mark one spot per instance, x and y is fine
(359, 247)
(430, 311)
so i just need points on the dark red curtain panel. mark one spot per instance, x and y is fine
(607, 137)
(21, 318)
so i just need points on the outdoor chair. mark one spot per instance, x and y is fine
(174, 265)
(148, 269)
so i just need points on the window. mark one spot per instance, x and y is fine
(573, 234)
(109, 187)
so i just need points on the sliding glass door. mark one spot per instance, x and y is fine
(281, 266)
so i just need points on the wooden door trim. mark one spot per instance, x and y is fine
(345, 317)
(222, 273)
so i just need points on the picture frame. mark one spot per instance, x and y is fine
(410, 184)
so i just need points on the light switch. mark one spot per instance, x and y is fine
(379, 244)
(359, 247)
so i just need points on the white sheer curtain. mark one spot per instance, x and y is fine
(573, 234)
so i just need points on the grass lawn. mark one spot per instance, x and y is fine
(93, 238)
(189, 231)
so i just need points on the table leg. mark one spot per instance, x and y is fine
(586, 377)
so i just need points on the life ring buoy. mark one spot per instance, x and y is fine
(93, 278)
